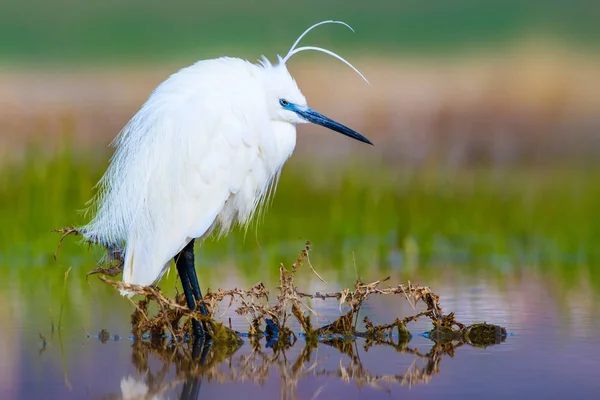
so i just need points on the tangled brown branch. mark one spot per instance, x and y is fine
(253, 304)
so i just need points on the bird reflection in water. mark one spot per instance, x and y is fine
(254, 364)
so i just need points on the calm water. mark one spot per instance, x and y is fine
(513, 248)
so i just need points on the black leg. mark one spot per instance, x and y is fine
(191, 389)
(189, 297)
(200, 351)
(187, 272)
(188, 253)
(196, 286)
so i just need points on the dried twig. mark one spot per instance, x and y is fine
(65, 232)
(253, 304)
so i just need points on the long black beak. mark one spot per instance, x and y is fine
(319, 119)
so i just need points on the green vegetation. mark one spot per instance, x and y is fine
(66, 30)
(377, 217)
(368, 220)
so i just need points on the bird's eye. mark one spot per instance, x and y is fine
(284, 102)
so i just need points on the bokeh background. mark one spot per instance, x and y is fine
(452, 81)
(485, 116)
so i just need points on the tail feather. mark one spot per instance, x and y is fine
(145, 263)
(142, 266)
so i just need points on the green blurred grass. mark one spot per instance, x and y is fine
(365, 218)
(134, 30)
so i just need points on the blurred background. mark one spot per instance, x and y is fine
(485, 116)
(453, 82)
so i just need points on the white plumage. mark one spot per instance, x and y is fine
(201, 154)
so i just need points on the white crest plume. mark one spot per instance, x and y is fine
(294, 50)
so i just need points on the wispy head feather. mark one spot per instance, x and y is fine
(310, 29)
(294, 50)
(264, 61)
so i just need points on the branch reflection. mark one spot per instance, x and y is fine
(182, 369)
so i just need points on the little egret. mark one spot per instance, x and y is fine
(202, 155)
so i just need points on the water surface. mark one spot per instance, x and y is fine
(513, 247)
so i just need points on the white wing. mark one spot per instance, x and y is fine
(188, 151)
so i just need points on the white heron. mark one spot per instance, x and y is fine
(202, 155)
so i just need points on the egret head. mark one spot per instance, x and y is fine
(280, 85)
(286, 102)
